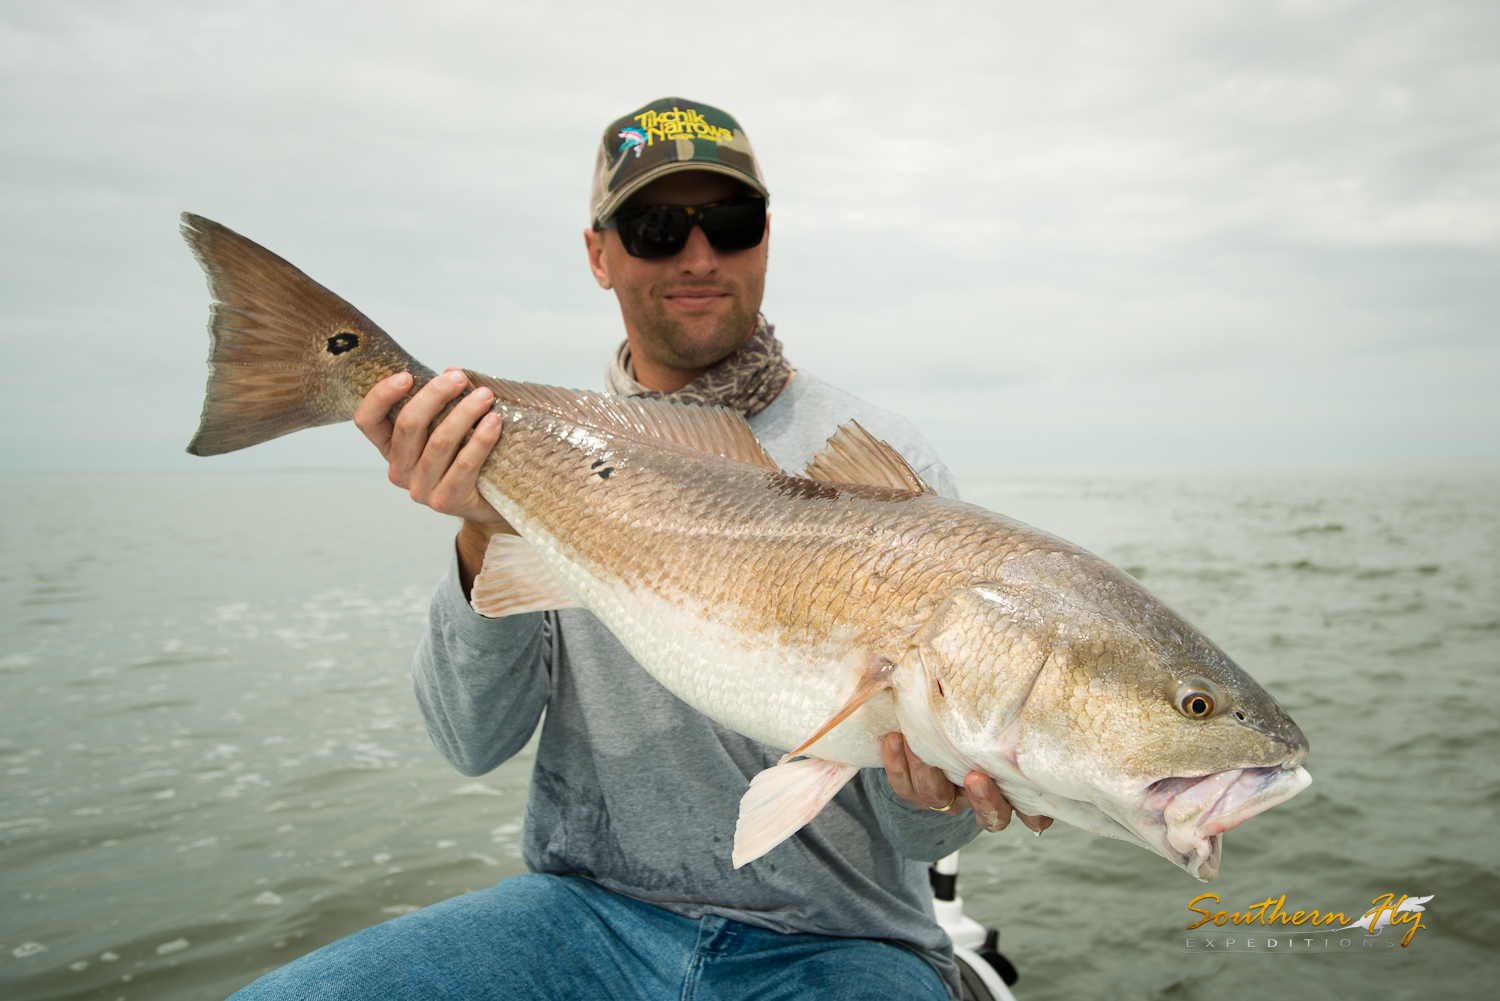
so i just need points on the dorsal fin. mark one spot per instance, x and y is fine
(715, 430)
(854, 455)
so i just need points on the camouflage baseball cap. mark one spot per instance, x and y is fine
(664, 136)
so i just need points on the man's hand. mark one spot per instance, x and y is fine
(439, 469)
(924, 786)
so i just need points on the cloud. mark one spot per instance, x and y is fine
(1057, 218)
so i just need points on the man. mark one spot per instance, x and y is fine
(634, 796)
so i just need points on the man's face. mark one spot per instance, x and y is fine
(686, 312)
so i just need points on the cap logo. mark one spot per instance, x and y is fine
(669, 134)
(632, 137)
(677, 124)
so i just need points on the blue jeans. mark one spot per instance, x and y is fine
(554, 937)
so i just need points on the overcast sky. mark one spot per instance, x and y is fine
(1171, 231)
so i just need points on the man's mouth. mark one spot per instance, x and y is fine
(694, 300)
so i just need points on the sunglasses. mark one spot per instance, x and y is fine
(662, 230)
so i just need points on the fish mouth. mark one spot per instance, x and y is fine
(1190, 814)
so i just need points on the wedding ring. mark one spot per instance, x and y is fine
(948, 805)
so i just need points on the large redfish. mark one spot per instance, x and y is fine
(814, 611)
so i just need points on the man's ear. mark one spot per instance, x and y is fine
(594, 239)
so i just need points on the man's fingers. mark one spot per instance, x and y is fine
(893, 752)
(922, 785)
(1034, 824)
(438, 466)
(372, 415)
(931, 785)
(992, 811)
(458, 492)
(910, 778)
(431, 476)
(409, 438)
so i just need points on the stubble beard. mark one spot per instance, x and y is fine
(672, 341)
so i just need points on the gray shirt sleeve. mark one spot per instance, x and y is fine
(481, 683)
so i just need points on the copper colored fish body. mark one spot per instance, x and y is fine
(815, 612)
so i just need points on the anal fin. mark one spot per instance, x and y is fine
(514, 580)
(781, 801)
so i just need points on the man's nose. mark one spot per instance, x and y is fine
(697, 256)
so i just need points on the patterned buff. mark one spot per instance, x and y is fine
(748, 380)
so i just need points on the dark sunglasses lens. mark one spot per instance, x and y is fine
(657, 231)
(662, 230)
(736, 225)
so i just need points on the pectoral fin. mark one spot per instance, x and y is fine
(876, 679)
(781, 800)
(514, 580)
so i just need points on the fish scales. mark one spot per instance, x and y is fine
(832, 569)
(810, 553)
(725, 525)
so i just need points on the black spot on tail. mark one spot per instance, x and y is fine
(604, 473)
(341, 342)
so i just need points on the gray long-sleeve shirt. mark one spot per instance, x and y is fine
(639, 792)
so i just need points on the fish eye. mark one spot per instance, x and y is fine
(1195, 700)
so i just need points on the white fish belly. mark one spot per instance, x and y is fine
(770, 691)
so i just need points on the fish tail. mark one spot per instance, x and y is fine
(284, 352)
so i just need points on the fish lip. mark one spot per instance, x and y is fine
(1242, 800)
(1186, 816)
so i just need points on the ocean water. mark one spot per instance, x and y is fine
(212, 762)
